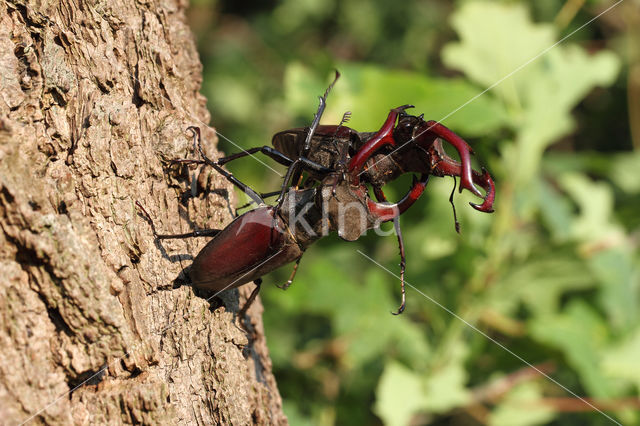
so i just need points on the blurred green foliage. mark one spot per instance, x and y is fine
(551, 278)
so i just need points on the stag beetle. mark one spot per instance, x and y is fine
(329, 167)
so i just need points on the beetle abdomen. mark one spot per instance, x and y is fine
(251, 246)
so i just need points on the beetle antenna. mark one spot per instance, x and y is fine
(345, 119)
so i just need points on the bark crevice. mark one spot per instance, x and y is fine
(95, 100)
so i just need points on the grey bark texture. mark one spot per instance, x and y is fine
(95, 99)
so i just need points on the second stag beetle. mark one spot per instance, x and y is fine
(329, 167)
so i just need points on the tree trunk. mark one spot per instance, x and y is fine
(97, 323)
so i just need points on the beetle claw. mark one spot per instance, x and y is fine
(400, 310)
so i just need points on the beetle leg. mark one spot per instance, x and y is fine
(251, 298)
(383, 137)
(403, 263)
(396, 225)
(243, 187)
(187, 161)
(263, 195)
(292, 276)
(453, 206)
(332, 181)
(266, 150)
(196, 233)
(301, 163)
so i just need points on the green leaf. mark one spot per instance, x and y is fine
(565, 75)
(520, 408)
(539, 284)
(621, 361)
(620, 289)
(495, 40)
(595, 200)
(556, 211)
(581, 334)
(399, 395)
(539, 82)
(294, 415)
(625, 172)
(359, 310)
(446, 384)
(369, 92)
(402, 393)
(301, 90)
(370, 329)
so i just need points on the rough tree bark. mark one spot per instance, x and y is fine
(95, 99)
